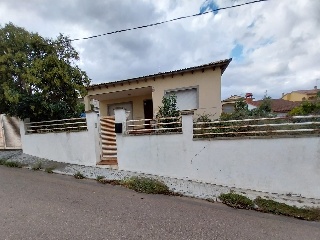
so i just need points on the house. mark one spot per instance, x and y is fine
(280, 106)
(197, 88)
(228, 104)
(301, 95)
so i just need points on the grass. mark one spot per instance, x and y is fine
(79, 175)
(37, 166)
(12, 164)
(270, 206)
(99, 178)
(236, 201)
(49, 169)
(145, 185)
(2, 161)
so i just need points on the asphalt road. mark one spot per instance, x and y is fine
(38, 205)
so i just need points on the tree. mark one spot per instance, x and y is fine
(39, 78)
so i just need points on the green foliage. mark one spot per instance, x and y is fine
(146, 185)
(12, 164)
(204, 118)
(37, 166)
(242, 112)
(306, 108)
(78, 175)
(38, 76)
(2, 161)
(169, 109)
(49, 169)
(236, 201)
(270, 206)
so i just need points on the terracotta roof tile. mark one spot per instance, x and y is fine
(278, 105)
(308, 92)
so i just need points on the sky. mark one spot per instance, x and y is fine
(275, 45)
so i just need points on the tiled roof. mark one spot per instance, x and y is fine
(278, 105)
(308, 92)
(223, 64)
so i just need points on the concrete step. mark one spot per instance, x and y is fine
(109, 147)
(109, 152)
(109, 142)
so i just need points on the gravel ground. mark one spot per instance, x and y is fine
(19, 156)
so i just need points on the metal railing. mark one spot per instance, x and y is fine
(159, 125)
(63, 125)
(277, 126)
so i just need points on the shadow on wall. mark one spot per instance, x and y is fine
(9, 132)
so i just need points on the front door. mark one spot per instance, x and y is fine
(148, 111)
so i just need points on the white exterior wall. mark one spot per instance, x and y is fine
(279, 165)
(69, 147)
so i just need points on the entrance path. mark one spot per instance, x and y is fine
(37, 205)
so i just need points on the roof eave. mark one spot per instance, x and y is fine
(222, 64)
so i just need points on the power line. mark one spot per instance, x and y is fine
(167, 21)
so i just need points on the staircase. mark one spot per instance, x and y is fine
(108, 141)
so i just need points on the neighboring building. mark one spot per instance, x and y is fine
(228, 104)
(197, 88)
(278, 106)
(301, 95)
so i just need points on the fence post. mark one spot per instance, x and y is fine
(93, 130)
(187, 123)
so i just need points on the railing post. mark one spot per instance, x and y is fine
(187, 123)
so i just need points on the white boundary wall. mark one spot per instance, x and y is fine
(70, 147)
(279, 165)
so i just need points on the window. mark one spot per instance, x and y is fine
(187, 99)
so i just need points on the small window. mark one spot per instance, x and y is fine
(187, 99)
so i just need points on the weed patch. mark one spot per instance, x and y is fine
(146, 185)
(13, 164)
(79, 175)
(236, 201)
(2, 161)
(270, 206)
(49, 169)
(37, 166)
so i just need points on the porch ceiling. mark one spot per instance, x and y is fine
(122, 94)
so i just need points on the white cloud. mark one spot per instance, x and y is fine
(280, 48)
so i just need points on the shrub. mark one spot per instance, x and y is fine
(146, 185)
(2, 161)
(13, 164)
(99, 178)
(49, 169)
(169, 110)
(236, 201)
(270, 206)
(79, 175)
(37, 166)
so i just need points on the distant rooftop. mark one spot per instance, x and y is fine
(278, 105)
